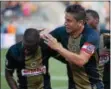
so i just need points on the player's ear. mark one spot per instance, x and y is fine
(80, 23)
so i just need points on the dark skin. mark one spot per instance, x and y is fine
(9, 77)
(29, 50)
(92, 21)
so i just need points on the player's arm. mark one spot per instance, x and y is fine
(9, 70)
(78, 59)
(60, 58)
(50, 52)
(56, 55)
(56, 33)
(10, 79)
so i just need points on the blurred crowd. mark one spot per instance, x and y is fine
(16, 16)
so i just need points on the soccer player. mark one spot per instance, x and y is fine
(27, 58)
(93, 21)
(78, 43)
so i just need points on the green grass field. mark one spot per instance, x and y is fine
(56, 68)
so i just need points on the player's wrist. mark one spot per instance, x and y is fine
(59, 48)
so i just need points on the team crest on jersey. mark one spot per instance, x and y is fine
(89, 48)
(33, 64)
(33, 72)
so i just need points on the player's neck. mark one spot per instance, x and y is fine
(78, 32)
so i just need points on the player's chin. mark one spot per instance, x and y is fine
(68, 30)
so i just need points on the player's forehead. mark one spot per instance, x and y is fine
(29, 44)
(69, 17)
(89, 15)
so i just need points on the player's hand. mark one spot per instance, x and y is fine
(44, 31)
(51, 42)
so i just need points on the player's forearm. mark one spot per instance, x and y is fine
(12, 83)
(10, 80)
(79, 60)
(71, 57)
(60, 58)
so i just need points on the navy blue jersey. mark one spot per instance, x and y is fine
(91, 72)
(30, 69)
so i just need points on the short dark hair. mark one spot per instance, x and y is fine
(93, 13)
(77, 10)
(31, 36)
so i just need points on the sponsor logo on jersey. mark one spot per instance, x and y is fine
(89, 48)
(32, 72)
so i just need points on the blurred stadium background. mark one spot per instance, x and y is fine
(17, 16)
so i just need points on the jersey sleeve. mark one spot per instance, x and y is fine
(9, 62)
(91, 44)
(57, 32)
